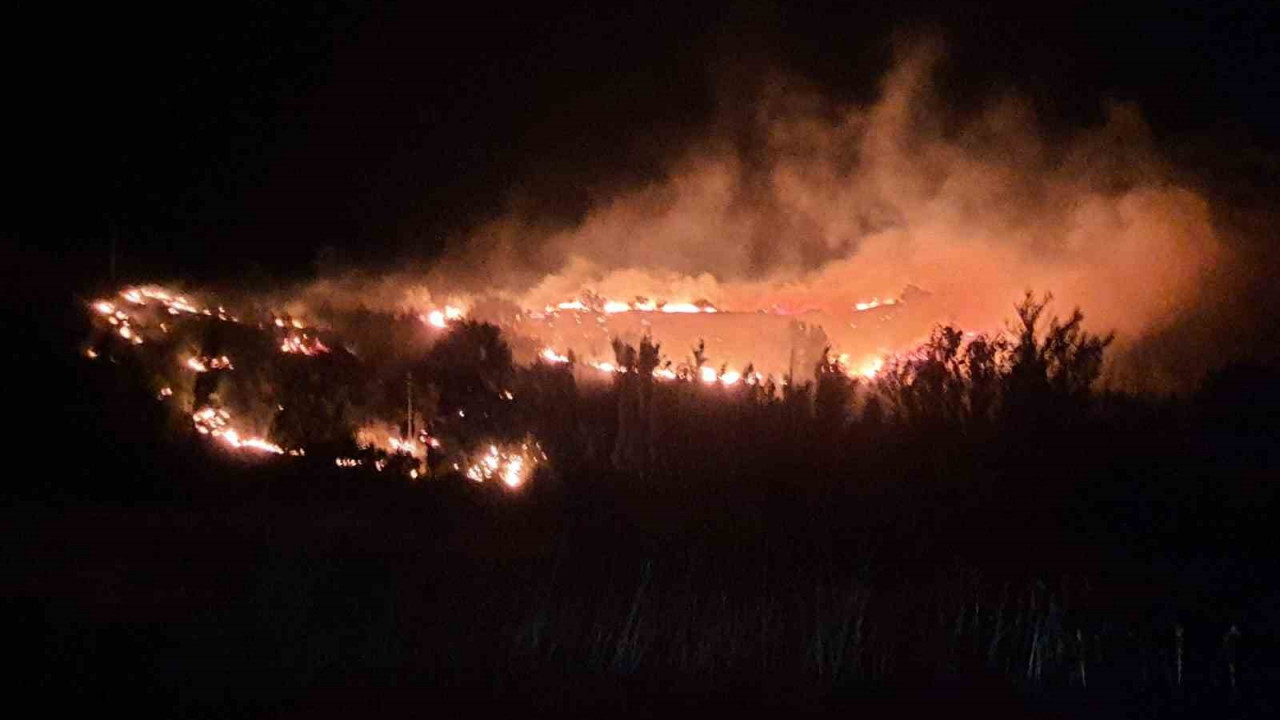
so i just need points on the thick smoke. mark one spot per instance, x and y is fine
(798, 203)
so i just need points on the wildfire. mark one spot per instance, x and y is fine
(205, 364)
(871, 368)
(409, 447)
(217, 424)
(174, 304)
(303, 345)
(613, 307)
(868, 368)
(874, 303)
(552, 356)
(137, 312)
(442, 318)
(511, 464)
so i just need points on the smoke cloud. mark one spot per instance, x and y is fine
(796, 202)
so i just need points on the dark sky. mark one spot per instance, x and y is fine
(222, 142)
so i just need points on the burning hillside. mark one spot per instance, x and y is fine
(272, 382)
(802, 232)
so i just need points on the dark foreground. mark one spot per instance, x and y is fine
(295, 595)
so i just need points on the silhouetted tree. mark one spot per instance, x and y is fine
(833, 394)
(1054, 375)
(472, 369)
(314, 397)
(633, 446)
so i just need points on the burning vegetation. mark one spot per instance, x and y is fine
(298, 388)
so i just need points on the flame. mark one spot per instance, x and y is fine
(409, 447)
(552, 356)
(681, 308)
(175, 304)
(441, 318)
(511, 464)
(302, 345)
(216, 423)
(874, 303)
(870, 368)
(206, 364)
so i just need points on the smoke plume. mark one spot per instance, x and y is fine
(796, 202)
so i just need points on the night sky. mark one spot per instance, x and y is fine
(236, 143)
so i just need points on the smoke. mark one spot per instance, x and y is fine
(795, 201)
